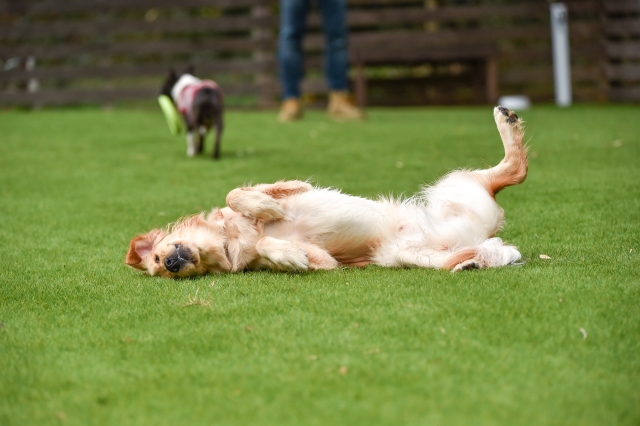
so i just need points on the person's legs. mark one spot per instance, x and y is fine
(334, 26)
(293, 17)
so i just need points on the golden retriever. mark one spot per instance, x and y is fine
(293, 226)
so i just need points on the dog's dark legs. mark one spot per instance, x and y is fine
(200, 143)
(218, 137)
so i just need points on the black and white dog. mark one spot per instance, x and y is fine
(200, 102)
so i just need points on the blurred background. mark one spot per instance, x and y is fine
(403, 52)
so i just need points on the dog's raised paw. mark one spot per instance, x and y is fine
(512, 117)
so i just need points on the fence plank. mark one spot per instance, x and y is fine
(34, 30)
(626, 72)
(62, 51)
(99, 96)
(57, 7)
(623, 50)
(579, 74)
(622, 27)
(625, 94)
(621, 6)
(238, 66)
(424, 39)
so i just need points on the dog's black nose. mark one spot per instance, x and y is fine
(172, 264)
(178, 259)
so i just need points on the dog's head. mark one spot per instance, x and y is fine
(172, 78)
(169, 82)
(196, 245)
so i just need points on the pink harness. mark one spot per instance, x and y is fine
(185, 97)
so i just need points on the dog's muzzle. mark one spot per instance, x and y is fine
(178, 259)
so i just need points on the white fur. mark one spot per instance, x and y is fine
(191, 144)
(183, 81)
(422, 231)
(283, 254)
(450, 221)
(292, 226)
(256, 204)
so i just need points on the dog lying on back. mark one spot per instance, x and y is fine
(292, 226)
(200, 102)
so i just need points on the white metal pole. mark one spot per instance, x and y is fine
(561, 61)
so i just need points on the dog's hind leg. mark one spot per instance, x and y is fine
(218, 138)
(202, 136)
(490, 254)
(318, 257)
(512, 170)
(395, 256)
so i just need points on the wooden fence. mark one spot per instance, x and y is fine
(621, 23)
(106, 51)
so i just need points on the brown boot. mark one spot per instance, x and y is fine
(341, 107)
(290, 110)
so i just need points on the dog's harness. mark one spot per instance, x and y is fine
(184, 100)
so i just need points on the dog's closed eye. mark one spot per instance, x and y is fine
(157, 259)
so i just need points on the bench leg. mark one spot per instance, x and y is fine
(492, 80)
(361, 85)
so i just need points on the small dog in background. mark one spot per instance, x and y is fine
(200, 102)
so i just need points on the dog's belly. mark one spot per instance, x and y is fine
(357, 231)
(347, 227)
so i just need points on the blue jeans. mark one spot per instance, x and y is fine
(293, 17)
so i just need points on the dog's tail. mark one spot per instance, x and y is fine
(512, 170)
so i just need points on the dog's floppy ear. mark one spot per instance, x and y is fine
(142, 246)
(219, 256)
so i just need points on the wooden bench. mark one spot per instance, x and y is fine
(407, 52)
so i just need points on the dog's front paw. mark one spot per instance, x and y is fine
(255, 204)
(283, 254)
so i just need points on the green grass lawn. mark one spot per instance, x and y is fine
(85, 340)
